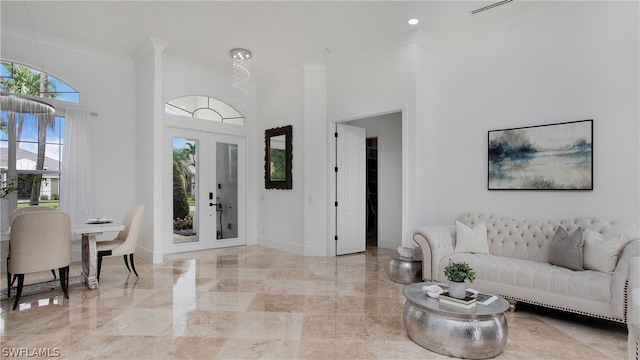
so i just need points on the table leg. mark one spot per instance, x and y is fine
(89, 260)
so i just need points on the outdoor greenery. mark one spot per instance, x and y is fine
(20, 183)
(184, 158)
(24, 81)
(180, 203)
(459, 272)
(49, 203)
(278, 164)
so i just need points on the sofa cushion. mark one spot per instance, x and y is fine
(537, 277)
(567, 250)
(600, 253)
(471, 240)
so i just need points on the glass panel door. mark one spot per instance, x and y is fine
(227, 190)
(207, 195)
(185, 198)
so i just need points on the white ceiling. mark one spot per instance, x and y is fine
(281, 35)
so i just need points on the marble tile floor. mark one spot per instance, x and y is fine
(258, 303)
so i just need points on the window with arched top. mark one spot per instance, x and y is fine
(206, 108)
(31, 134)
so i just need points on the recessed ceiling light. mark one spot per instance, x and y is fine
(413, 21)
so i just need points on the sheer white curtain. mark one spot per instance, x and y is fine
(76, 190)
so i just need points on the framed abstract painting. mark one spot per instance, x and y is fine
(545, 157)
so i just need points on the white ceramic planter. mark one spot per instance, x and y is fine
(457, 289)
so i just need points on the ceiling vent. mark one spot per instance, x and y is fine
(490, 6)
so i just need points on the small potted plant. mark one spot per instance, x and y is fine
(458, 273)
(6, 188)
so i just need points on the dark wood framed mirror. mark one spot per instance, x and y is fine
(278, 158)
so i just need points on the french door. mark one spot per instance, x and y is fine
(207, 194)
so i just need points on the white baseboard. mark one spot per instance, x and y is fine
(281, 245)
(389, 244)
(153, 257)
(315, 251)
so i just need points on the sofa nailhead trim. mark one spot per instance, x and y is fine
(564, 309)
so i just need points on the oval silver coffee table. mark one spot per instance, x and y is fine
(478, 333)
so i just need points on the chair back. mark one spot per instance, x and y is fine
(132, 223)
(26, 209)
(39, 241)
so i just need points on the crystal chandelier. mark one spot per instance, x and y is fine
(241, 73)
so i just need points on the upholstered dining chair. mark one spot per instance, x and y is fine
(14, 214)
(26, 209)
(125, 243)
(40, 241)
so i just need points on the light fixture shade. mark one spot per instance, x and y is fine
(22, 104)
(241, 73)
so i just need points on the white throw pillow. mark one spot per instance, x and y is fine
(471, 240)
(602, 254)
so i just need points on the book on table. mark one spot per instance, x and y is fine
(468, 302)
(481, 298)
(468, 299)
(457, 304)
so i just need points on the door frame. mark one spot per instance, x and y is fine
(408, 171)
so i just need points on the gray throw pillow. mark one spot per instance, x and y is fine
(567, 250)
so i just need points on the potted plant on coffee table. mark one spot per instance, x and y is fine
(457, 273)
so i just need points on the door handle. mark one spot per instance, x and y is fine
(212, 204)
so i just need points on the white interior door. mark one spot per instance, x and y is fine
(350, 191)
(206, 201)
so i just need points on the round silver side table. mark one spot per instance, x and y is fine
(478, 333)
(405, 270)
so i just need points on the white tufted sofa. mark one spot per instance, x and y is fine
(516, 266)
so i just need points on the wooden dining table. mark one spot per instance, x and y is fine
(89, 232)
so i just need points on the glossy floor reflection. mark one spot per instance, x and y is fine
(253, 302)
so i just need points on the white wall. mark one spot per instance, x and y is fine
(316, 172)
(280, 221)
(388, 130)
(575, 64)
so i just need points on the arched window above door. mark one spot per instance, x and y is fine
(204, 107)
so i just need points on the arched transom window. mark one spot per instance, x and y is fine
(204, 107)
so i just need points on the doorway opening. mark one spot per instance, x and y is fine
(369, 183)
(372, 191)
